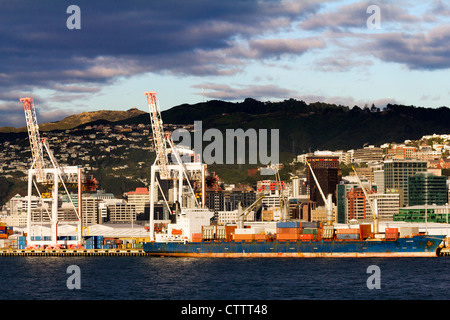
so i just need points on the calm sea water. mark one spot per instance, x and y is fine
(143, 278)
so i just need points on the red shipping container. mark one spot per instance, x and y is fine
(391, 230)
(306, 236)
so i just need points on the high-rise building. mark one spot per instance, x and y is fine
(396, 175)
(328, 173)
(427, 188)
(140, 198)
(122, 212)
(378, 178)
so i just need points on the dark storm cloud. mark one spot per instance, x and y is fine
(123, 38)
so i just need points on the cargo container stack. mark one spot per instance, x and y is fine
(348, 234)
(21, 242)
(3, 233)
(391, 234)
(288, 231)
(93, 242)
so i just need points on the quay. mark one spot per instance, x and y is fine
(71, 252)
(445, 252)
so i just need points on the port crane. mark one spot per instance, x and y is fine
(49, 174)
(242, 213)
(372, 203)
(327, 200)
(178, 171)
(282, 199)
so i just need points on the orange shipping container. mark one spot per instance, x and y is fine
(243, 237)
(347, 231)
(287, 236)
(261, 237)
(391, 230)
(288, 230)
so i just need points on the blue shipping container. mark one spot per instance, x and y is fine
(290, 224)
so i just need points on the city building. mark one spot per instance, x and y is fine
(396, 175)
(368, 154)
(328, 173)
(140, 198)
(427, 188)
(122, 212)
(426, 213)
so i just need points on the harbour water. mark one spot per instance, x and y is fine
(151, 278)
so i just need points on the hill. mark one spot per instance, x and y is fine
(302, 126)
(75, 120)
(305, 127)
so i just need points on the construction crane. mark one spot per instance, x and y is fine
(50, 175)
(372, 203)
(327, 200)
(242, 213)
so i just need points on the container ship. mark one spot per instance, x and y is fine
(191, 234)
(295, 239)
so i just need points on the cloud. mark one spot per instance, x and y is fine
(261, 92)
(420, 51)
(355, 16)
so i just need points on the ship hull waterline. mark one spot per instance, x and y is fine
(408, 247)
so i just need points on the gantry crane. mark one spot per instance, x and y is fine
(327, 200)
(52, 175)
(177, 172)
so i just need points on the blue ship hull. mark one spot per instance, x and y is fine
(417, 246)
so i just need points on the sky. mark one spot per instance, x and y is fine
(189, 51)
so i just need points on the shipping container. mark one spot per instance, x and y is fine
(289, 224)
(347, 236)
(310, 224)
(391, 230)
(347, 231)
(306, 236)
(365, 231)
(408, 231)
(288, 236)
(328, 232)
(288, 230)
(261, 237)
(243, 237)
(310, 231)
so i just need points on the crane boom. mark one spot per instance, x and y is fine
(159, 139)
(37, 152)
(373, 206)
(328, 202)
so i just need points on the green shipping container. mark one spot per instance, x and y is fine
(310, 231)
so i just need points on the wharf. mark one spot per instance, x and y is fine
(71, 252)
(445, 252)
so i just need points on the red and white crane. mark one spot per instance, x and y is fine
(178, 171)
(52, 174)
